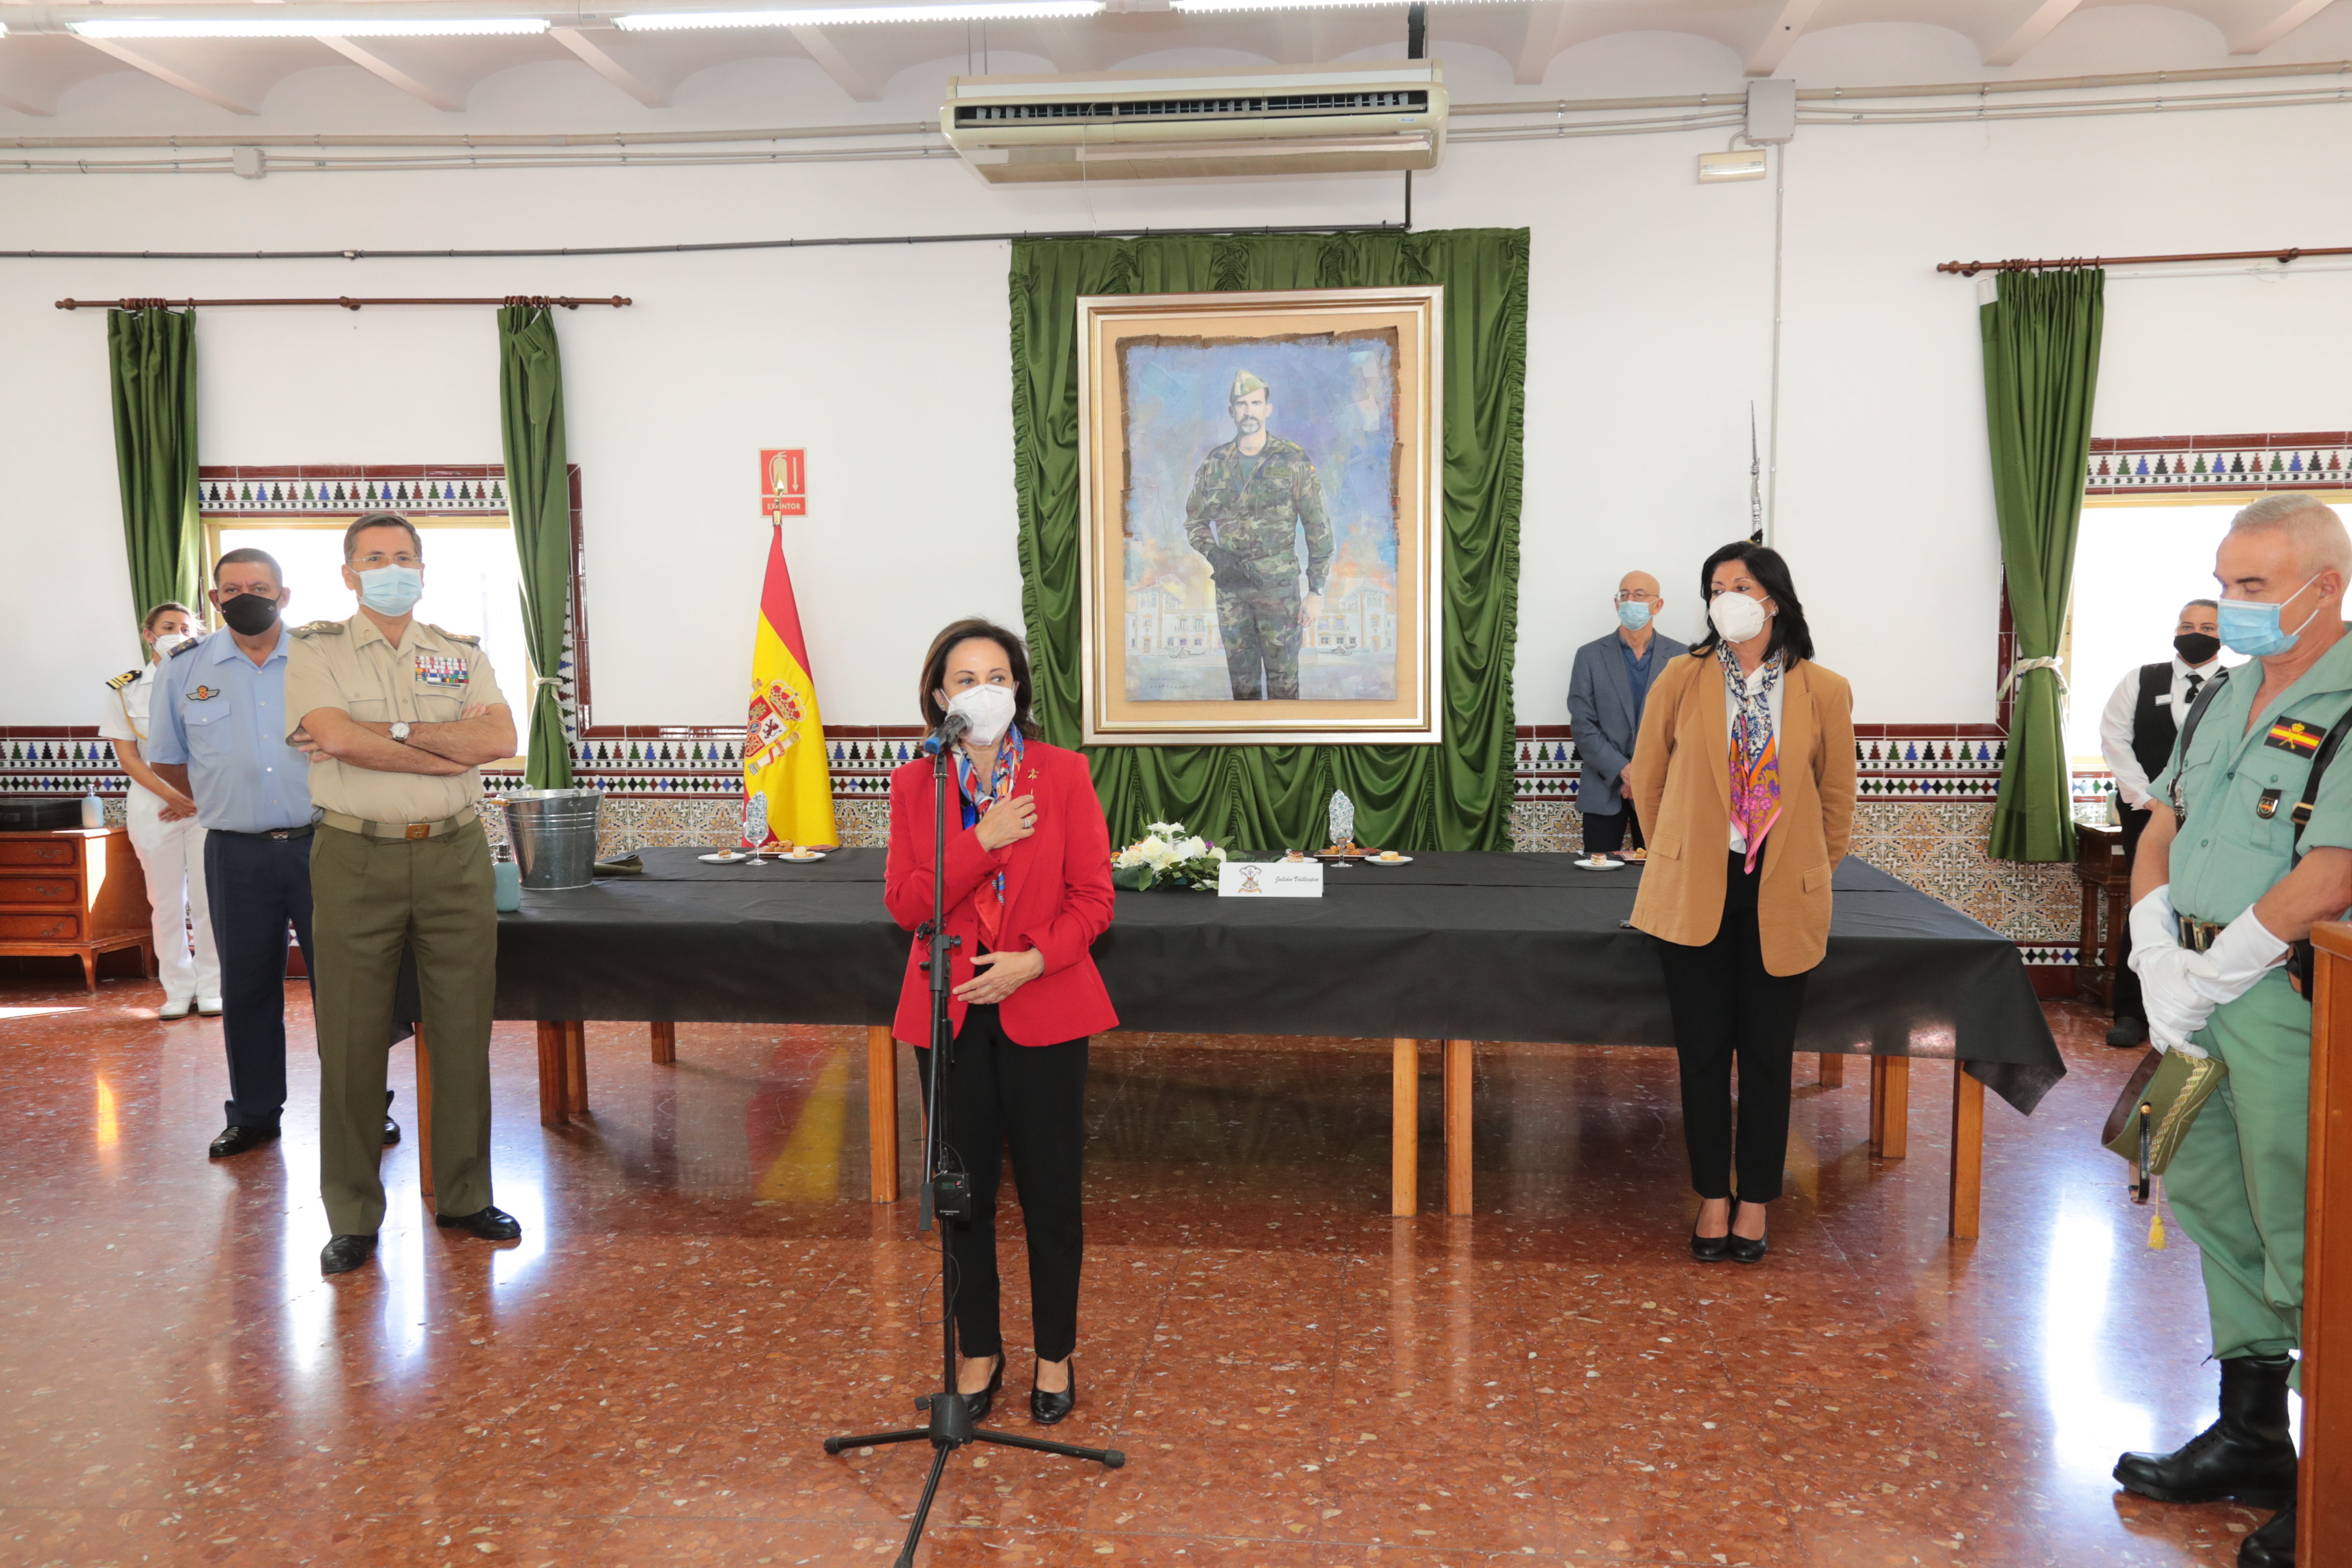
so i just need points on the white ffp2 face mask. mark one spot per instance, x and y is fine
(987, 709)
(1736, 616)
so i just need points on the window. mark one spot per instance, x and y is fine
(472, 583)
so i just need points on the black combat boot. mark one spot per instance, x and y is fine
(2272, 1546)
(2247, 1454)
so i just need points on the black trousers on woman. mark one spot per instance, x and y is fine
(1725, 1006)
(1032, 1099)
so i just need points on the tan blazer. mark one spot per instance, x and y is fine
(1682, 788)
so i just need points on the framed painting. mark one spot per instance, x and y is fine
(1259, 516)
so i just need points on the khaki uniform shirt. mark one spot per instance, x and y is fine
(432, 676)
(2239, 787)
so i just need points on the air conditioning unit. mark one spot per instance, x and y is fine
(1188, 125)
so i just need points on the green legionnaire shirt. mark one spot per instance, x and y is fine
(431, 676)
(2239, 783)
(1252, 506)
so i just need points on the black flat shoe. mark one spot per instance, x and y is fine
(2127, 1032)
(980, 1403)
(1710, 1248)
(345, 1253)
(1047, 1408)
(391, 1127)
(238, 1140)
(1737, 1248)
(489, 1224)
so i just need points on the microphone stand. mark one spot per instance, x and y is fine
(951, 1427)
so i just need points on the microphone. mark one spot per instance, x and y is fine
(951, 730)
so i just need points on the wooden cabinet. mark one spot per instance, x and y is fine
(73, 893)
(2104, 869)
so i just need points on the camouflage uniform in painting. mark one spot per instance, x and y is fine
(1244, 515)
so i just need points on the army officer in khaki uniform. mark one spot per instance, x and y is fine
(398, 717)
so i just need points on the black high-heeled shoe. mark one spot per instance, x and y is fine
(1047, 1408)
(980, 1403)
(1739, 1248)
(1710, 1248)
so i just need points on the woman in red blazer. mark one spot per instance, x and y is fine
(1028, 891)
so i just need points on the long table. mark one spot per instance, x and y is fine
(1452, 947)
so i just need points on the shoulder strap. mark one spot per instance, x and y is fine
(2319, 760)
(2188, 733)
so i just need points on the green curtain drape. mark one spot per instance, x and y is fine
(538, 505)
(151, 355)
(2042, 370)
(1455, 794)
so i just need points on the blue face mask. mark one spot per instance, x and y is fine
(1633, 614)
(2252, 628)
(392, 590)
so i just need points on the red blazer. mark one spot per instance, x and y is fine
(1057, 899)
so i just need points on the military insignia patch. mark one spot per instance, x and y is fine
(2294, 735)
(203, 694)
(433, 670)
(125, 679)
(2267, 808)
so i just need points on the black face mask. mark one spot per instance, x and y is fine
(2196, 648)
(249, 613)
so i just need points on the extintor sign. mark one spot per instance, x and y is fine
(783, 483)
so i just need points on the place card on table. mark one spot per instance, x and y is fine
(1270, 879)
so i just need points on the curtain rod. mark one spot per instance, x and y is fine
(1970, 268)
(537, 301)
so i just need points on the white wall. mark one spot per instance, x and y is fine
(1650, 333)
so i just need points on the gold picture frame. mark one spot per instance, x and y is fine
(1198, 554)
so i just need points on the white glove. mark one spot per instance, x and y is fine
(2240, 956)
(2153, 926)
(2177, 1005)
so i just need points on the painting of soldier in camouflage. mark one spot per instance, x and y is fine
(1260, 518)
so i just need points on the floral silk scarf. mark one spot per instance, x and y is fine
(1754, 752)
(988, 901)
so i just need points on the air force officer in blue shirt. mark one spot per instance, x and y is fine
(1606, 693)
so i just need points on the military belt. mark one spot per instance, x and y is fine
(2197, 935)
(411, 830)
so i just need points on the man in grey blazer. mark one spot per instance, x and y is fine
(1606, 696)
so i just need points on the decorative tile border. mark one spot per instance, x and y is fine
(331, 492)
(2309, 459)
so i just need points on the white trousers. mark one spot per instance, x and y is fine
(173, 855)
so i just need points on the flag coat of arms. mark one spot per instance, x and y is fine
(787, 786)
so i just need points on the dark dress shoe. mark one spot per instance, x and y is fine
(237, 1140)
(980, 1403)
(345, 1253)
(2128, 1032)
(1739, 1248)
(490, 1223)
(2248, 1454)
(1047, 1408)
(391, 1127)
(1709, 1248)
(2272, 1546)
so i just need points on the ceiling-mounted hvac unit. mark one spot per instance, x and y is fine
(1191, 125)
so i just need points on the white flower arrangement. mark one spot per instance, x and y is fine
(1168, 854)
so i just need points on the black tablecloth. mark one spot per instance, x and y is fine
(1475, 946)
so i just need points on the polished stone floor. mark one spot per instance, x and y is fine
(703, 1292)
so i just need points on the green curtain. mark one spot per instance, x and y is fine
(538, 505)
(1455, 794)
(151, 354)
(2041, 369)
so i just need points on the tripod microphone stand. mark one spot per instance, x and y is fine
(946, 1199)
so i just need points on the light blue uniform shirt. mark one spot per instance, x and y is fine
(222, 718)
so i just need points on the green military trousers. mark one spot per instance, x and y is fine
(371, 898)
(2237, 1183)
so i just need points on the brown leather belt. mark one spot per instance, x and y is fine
(410, 830)
(2198, 935)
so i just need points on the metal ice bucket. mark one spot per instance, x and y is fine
(553, 832)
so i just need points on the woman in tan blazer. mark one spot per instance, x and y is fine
(1743, 776)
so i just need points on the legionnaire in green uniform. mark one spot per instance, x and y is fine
(397, 717)
(2219, 895)
(1250, 498)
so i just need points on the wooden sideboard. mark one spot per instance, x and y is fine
(2104, 872)
(74, 893)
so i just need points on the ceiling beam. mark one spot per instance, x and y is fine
(1780, 35)
(598, 59)
(2031, 31)
(375, 65)
(1539, 44)
(2287, 16)
(847, 75)
(165, 73)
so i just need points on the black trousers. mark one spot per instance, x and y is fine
(1031, 1100)
(1604, 833)
(1725, 1005)
(255, 886)
(2126, 988)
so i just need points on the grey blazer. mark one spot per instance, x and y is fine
(1600, 714)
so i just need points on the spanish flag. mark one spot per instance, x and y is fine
(787, 787)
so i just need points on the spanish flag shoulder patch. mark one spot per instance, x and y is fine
(2296, 736)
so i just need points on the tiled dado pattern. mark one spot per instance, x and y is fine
(2305, 459)
(1925, 814)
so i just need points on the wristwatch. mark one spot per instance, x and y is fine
(400, 731)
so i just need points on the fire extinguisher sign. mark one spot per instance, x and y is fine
(783, 483)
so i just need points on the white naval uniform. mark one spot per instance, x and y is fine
(173, 855)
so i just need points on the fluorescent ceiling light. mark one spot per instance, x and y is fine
(1197, 6)
(292, 27)
(840, 16)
